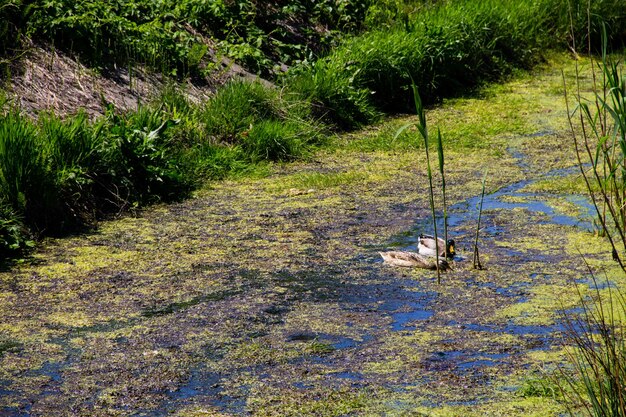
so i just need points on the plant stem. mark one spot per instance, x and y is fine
(443, 186)
(424, 132)
(477, 264)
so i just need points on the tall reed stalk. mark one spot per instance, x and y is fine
(599, 357)
(601, 143)
(423, 130)
(598, 126)
(443, 185)
(477, 264)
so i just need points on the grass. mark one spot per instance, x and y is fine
(62, 175)
(58, 176)
(447, 50)
(599, 131)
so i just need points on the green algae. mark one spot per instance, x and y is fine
(545, 304)
(273, 283)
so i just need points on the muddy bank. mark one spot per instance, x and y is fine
(267, 297)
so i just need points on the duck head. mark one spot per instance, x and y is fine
(450, 248)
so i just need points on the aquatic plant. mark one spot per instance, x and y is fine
(600, 141)
(441, 156)
(476, 258)
(598, 359)
(598, 129)
(422, 128)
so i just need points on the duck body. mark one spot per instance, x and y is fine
(413, 259)
(426, 246)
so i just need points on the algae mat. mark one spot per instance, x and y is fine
(267, 297)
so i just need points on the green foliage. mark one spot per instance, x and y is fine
(26, 185)
(276, 140)
(264, 123)
(236, 107)
(14, 236)
(59, 175)
(170, 36)
(333, 94)
(446, 49)
(595, 382)
(11, 21)
(599, 378)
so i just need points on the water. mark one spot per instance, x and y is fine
(467, 211)
(402, 319)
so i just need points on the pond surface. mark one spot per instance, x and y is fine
(255, 299)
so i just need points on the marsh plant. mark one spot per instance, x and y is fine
(599, 357)
(599, 130)
(422, 128)
(600, 142)
(476, 258)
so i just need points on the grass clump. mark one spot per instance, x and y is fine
(599, 355)
(446, 49)
(61, 175)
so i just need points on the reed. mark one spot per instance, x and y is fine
(597, 385)
(598, 127)
(476, 259)
(443, 183)
(599, 135)
(422, 128)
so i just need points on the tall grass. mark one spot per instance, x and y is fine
(446, 49)
(598, 127)
(60, 175)
(601, 142)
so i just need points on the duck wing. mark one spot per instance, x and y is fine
(426, 245)
(412, 259)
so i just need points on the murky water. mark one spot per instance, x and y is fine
(404, 304)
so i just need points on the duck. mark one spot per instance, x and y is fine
(426, 246)
(413, 259)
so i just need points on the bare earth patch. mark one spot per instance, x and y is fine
(46, 80)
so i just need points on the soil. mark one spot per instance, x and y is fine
(50, 80)
(267, 297)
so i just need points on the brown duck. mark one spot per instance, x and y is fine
(413, 259)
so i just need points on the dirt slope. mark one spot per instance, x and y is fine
(45, 79)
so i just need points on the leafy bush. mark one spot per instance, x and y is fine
(169, 35)
(12, 16)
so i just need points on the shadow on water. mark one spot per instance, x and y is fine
(201, 388)
(50, 370)
(464, 360)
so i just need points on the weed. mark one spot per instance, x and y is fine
(598, 335)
